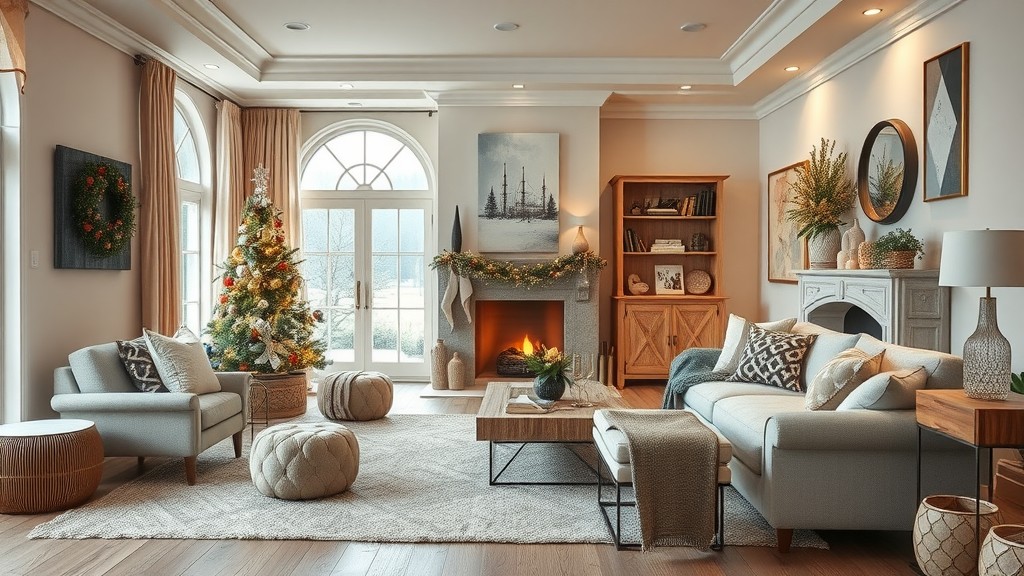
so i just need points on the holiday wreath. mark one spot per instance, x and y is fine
(103, 236)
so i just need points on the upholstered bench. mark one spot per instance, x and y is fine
(613, 448)
(301, 461)
(355, 395)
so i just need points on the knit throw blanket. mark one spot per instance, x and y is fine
(691, 367)
(675, 474)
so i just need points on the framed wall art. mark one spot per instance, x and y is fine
(786, 251)
(518, 193)
(668, 279)
(945, 124)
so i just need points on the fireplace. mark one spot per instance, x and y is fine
(563, 314)
(503, 324)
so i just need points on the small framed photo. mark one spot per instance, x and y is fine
(668, 279)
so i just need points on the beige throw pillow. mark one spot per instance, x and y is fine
(839, 377)
(182, 362)
(892, 390)
(736, 335)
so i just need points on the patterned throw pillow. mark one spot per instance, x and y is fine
(182, 362)
(138, 362)
(839, 377)
(773, 358)
(736, 334)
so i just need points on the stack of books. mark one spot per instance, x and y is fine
(662, 212)
(700, 204)
(632, 243)
(668, 246)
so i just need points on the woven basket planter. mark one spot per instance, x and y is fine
(901, 259)
(286, 394)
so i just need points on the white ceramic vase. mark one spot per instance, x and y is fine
(1002, 551)
(580, 244)
(823, 248)
(944, 534)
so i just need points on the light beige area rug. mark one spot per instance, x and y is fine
(422, 478)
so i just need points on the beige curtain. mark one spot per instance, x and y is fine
(12, 40)
(159, 219)
(231, 181)
(271, 138)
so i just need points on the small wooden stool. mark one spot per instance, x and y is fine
(48, 465)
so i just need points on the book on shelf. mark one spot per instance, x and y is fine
(668, 249)
(662, 212)
(668, 241)
(631, 242)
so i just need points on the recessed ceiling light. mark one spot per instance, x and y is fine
(792, 68)
(872, 11)
(685, 87)
(299, 26)
(693, 27)
(211, 66)
(355, 103)
(519, 85)
(506, 26)
(347, 86)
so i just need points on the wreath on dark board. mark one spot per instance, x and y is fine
(103, 236)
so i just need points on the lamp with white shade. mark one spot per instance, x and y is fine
(984, 258)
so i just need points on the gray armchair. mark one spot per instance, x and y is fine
(141, 424)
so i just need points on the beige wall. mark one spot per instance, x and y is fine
(889, 85)
(699, 147)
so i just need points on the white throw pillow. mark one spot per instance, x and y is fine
(895, 390)
(839, 377)
(736, 335)
(182, 363)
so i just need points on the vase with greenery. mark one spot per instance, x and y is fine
(822, 195)
(896, 249)
(550, 366)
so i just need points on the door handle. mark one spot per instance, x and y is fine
(367, 296)
(358, 292)
(675, 340)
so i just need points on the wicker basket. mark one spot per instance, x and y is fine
(865, 255)
(903, 259)
(286, 394)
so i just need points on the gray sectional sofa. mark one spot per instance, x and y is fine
(848, 469)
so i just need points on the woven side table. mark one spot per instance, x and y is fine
(48, 465)
(286, 394)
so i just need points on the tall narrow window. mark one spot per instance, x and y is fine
(190, 163)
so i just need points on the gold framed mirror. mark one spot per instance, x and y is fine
(887, 171)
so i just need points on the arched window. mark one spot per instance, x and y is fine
(191, 152)
(367, 214)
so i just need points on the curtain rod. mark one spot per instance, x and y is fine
(140, 59)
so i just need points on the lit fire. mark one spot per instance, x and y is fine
(527, 346)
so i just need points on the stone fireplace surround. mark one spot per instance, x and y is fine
(581, 324)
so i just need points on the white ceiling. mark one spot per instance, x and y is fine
(630, 57)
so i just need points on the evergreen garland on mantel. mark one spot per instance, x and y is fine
(477, 267)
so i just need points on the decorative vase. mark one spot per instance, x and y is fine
(987, 357)
(456, 373)
(549, 387)
(865, 255)
(1002, 552)
(822, 250)
(944, 534)
(580, 244)
(457, 232)
(852, 239)
(439, 366)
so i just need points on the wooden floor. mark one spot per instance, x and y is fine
(853, 553)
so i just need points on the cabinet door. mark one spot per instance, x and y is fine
(646, 346)
(695, 326)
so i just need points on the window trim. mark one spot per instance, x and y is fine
(203, 190)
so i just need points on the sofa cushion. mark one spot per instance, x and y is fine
(736, 334)
(182, 362)
(826, 347)
(702, 397)
(773, 358)
(840, 376)
(99, 369)
(217, 407)
(139, 365)
(895, 390)
(742, 420)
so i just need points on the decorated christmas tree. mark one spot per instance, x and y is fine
(260, 323)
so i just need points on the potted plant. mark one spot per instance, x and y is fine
(896, 249)
(822, 194)
(550, 366)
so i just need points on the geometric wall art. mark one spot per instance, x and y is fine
(945, 124)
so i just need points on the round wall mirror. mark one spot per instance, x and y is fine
(887, 173)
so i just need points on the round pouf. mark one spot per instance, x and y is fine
(303, 461)
(355, 396)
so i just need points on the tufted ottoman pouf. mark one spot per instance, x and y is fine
(355, 395)
(305, 460)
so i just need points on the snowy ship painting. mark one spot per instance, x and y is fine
(518, 190)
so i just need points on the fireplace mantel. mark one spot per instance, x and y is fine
(909, 305)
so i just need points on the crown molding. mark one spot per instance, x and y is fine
(219, 33)
(779, 25)
(878, 37)
(675, 112)
(593, 98)
(95, 23)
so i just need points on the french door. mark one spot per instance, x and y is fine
(366, 269)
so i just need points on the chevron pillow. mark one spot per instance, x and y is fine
(773, 358)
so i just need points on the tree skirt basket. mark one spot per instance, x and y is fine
(286, 394)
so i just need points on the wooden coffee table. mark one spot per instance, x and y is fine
(566, 425)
